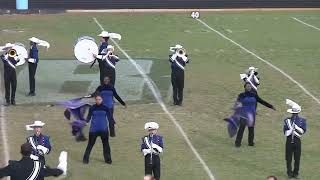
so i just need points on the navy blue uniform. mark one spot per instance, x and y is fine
(253, 80)
(248, 101)
(33, 54)
(10, 77)
(177, 77)
(99, 127)
(27, 169)
(107, 93)
(110, 63)
(102, 66)
(293, 128)
(40, 146)
(151, 148)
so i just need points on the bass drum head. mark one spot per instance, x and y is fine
(84, 50)
(22, 53)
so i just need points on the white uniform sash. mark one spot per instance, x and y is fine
(154, 146)
(109, 62)
(293, 128)
(35, 171)
(32, 142)
(9, 62)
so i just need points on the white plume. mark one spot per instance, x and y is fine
(291, 103)
(115, 36)
(44, 43)
(294, 107)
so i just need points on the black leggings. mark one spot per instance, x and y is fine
(177, 80)
(52, 172)
(154, 167)
(105, 142)
(293, 150)
(10, 82)
(242, 127)
(32, 73)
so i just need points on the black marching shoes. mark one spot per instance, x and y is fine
(32, 94)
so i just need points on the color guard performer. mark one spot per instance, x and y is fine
(152, 147)
(98, 114)
(107, 92)
(9, 59)
(251, 77)
(178, 60)
(294, 127)
(30, 169)
(40, 143)
(110, 60)
(76, 109)
(33, 61)
(245, 115)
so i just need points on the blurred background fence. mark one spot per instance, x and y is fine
(157, 4)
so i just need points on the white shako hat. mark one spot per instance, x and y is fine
(294, 107)
(151, 126)
(35, 124)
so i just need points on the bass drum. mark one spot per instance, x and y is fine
(22, 53)
(84, 49)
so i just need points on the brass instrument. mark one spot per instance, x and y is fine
(12, 53)
(181, 52)
(110, 53)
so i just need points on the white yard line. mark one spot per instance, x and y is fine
(314, 27)
(152, 86)
(4, 137)
(169, 94)
(263, 60)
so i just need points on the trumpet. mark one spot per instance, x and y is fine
(181, 52)
(110, 53)
(12, 53)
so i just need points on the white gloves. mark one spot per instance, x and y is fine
(33, 157)
(31, 60)
(42, 150)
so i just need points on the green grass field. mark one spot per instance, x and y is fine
(211, 86)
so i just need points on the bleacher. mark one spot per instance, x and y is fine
(157, 4)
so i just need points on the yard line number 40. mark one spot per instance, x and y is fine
(195, 14)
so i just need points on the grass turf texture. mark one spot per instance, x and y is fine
(212, 84)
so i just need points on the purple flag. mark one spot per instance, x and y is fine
(234, 120)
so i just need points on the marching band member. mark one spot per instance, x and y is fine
(99, 127)
(33, 61)
(152, 147)
(10, 76)
(251, 77)
(102, 51)
(245, 115)
(40, 143)
(110, 61)
(178, 60)
(107, 91)
(28, 168)
(294, 127)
